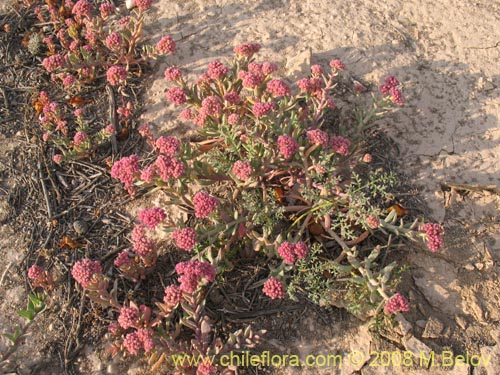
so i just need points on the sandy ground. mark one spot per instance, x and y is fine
(446, 54)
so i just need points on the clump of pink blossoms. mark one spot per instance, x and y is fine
(277, 88)
(82, 8)
(373, 221)
(217, 70)
(211, 106)
(79, 138)
(397, 303)
(291, 252)
(125, 170)
(274, 289)
(53, 62)
(114, 41)
(172, 74)
(173, 295)
(142, 245)
(318, 136)
(168, 145)
(287, 146)
(176, 95)
(247, 49)
(143, 5)
(242, 169)
(340, 145)
(185, 238)
(205, 368)
(192, 273)
(85, 270)
(390, 88)
(434, 233)
(262, 109)
(128, 317)
(116, 75)
(166, 45)
(140, 339)
(152, 217)
(106, 10)
(204, 204)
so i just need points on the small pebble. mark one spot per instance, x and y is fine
(80, 226)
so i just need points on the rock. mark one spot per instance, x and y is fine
(490, 356)
(479, 266)
(475, 308)
(462, 323)
(404, 324)
(299, 65)
(417, 347)
(359, 354)
(80, 227)
(421, 323)
(469, 267)
(433, 329)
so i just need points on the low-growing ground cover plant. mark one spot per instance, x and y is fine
(269, 177)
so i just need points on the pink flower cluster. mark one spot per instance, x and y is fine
(277, 88)
(205, 368)
(106, 9)
(211, 106)
(84, 271)
(261, 109)
(373, 221)
(128, 317)
(340, 145)
(168, 167)
(172, 74)
(242, 170)
(265, 68)
(114, 41)
(122, 259)
(185, 238)
(36, 272)
(233, 119)
(434, 233)
(217, 70)
(292, 252)
(251, 80)
(390, 88)
(82, 8)
(140, 339)
(176, 95)
(204, 204)
(116, 75)
(173, 295)
(397, 303)
(142, 245)
(166, 45)
(316, 70)
(192, 273)
(318, 136)
(311, 85)
(274, 289)
(125, 170)
(143, 5)
(168, 145)
(232, 97)
(337, 64)
(152, 217)
(247, 49)
(53, 62)
(287, 146)
(79, 138)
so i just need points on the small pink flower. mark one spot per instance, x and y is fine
(301, 250)
(128, 317)
(53, 62)
(85, 270)
(78, 112)
(186, 114)
(185, 238)
(142, 245)
(396, 96)
(166, 45)
(212, 106)
(152, 217)
(82, 8)
(232, 97)
(45, 137)
(311, 85)
(176, 95)
(274, 288)
(247, 49)
(277, 88)
(373, 222)
(204, 204)
(122, 259)
(114, 41)
(168, 145)
(116, 75)
(367, 158)
(287, 146)
(287, 252)
(125, 170)
(172, 74)
(337, 64)
(251, 80)
(132, 343)
(173, 295)
(69, 80)
(390, 82)
(434, 233)
(74, 45)
(269, 68)
(233, 119)
(36, 272)
(318, 136)
(340, 145)
(145, 335)
(148, 173)
(262, 109)
(106, 10)
(79, 138)
(217, 70)
(317, 70)
(58, 158)
(169, 167)
(192, 273)
(397, 303)
(242, 170)
(203, 80)
(143, 5)
(110, 129)
(205, 368)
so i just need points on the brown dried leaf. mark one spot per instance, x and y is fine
(400, 210)
(69, 243)
(77, 101)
